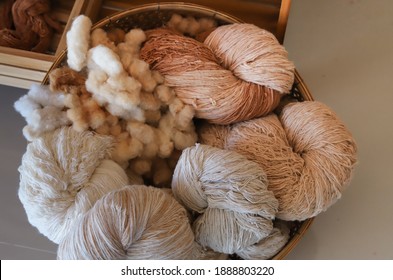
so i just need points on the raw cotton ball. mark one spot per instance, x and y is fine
(269, 246)
(215, 84)
(307, 153)
(107, 60)
(135, 222)
(44, 96)
(100, 37)
(116, 35)
(42, 110)
(135, 37)
(231, 194)
(190, 25)
(62, 175)
(66, 80)
(78, 38)
(181, 138)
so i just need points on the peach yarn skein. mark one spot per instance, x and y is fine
(307, 153)
(239, 73)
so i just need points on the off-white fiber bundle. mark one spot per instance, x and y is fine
(63, 173)
(269, 246)
(135, 222)
(307, 153)
(230, 192)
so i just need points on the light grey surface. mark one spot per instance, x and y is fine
(18, 239)
(344, 51)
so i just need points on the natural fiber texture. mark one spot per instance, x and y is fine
(253, 54)
(33, 26)
(63, 173)
(6, 14)
(135, 222)
(307, 153)
(219, 86)
(231, 194)
(269, 246)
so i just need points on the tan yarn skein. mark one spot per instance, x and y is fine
(63, 173)
(307, 153)
(213, 82)
(231, 194)
(135, 222)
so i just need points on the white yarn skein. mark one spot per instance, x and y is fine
(62, 175)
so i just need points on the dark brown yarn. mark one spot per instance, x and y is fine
(33, 26)
(5, 14)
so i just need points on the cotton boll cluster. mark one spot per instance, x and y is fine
(82, 110)
(42, 110)
(191, 26)
(117, 94)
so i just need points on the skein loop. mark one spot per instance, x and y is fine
(63, 173)
(135, 222)
(307, 152)
(226, 80)
(230, 193)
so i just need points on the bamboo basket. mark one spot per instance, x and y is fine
(150, 16)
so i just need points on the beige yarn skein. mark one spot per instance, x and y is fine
(63, 173)
(135, 222)
(239, 73)
(230, 192)
(307, 153)
(269, 246)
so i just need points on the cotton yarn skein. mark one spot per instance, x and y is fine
(135, 222)
(307, 153)
(215, 80)
(63, 173)
(230, 192)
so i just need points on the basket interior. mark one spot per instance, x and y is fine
(151, 16)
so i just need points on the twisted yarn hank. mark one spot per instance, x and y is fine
(220, 93)
(231, 194)
(307, 153)
(33, 26)
(63, 173)
(269, 246)
(135, 222)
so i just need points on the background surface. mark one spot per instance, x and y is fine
(343, 49)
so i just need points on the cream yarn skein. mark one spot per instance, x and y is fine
(135, 222)
(230, 192)
(63, 173)
(307, 153)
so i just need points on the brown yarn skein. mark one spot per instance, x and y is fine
(230, 192)
(215, 80)
(33, 26)
(307, 153)
(135, 222)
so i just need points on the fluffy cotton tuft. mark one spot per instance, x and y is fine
(78, 38)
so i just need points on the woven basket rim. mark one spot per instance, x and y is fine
(224, 17)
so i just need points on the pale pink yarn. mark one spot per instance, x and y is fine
(307, 153)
